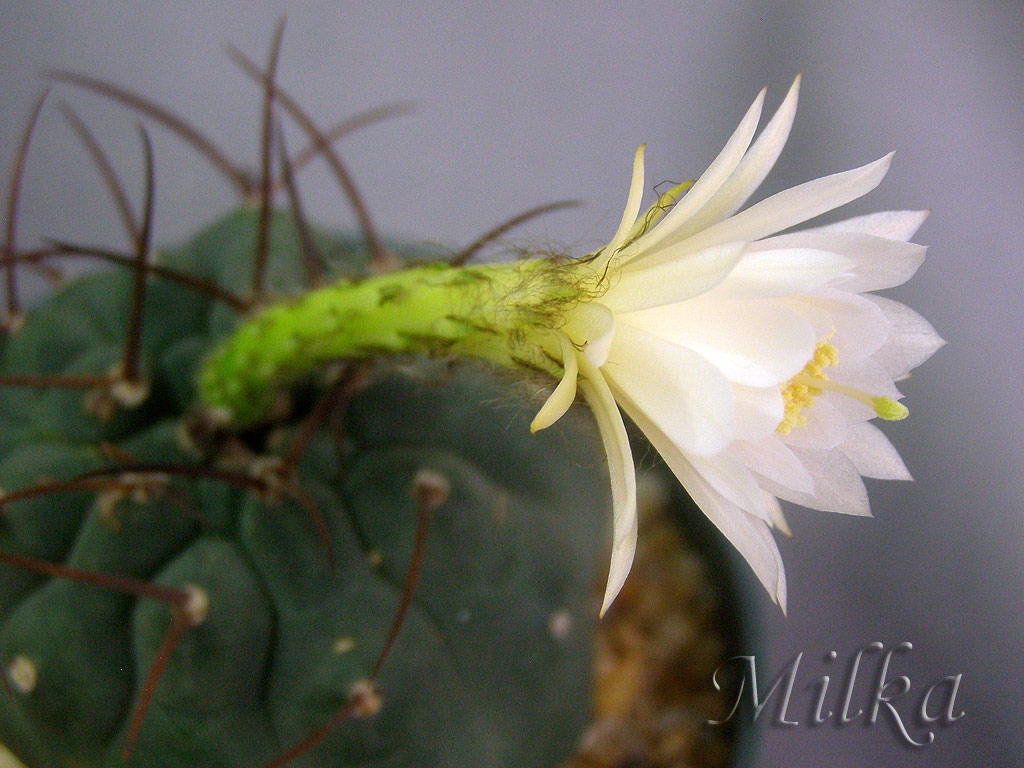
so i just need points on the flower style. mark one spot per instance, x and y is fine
(752, 361)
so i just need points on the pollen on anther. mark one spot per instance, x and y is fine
(798, 395)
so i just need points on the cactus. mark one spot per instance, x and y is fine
(296, 542)
(379, 565)
(389, 570)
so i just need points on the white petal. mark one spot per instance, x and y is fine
(709, 182)
(731, 479)
(880, 267)
(877, 262)
(872, 453)
(632, 210)
(837, 484)
(750, 535)
(558, 402)
(751, 171)
(895, 225)
(794, 206)
(864, 374)
(772, 460)
(825, 428)
(591, 326)
(658, 209)
(758, 411)
(860, 328)
(687, 397)
(756, 343)
(623, 480)
(783, 272)
(820, 321)
(775, 512)
(854, 411)
(911, 341)
(674, 281)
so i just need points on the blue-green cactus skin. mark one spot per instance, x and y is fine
(477, 676)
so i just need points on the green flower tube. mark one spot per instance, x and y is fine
(496, 312)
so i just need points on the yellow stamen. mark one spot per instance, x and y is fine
(800, 391)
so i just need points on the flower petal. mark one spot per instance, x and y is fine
(825, 427)
(872, 453)
(706, 186)
(731, 479)
(591, 327)
(784, 272)
(623, 479)
(632, 209)
(837, 484)
(793, 206)
(758, 411)
(758, 343)
(860, 328)
(866, 375)
(658, 209)
(752, 169)
(750, 535)
(854, 411)
(778, 519)
(685, 395)
(895, 225)
(911, 342)
(877, 262)
(558, 402)
(772, 460)
(674, 281)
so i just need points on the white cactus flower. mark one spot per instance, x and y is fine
(752, 361)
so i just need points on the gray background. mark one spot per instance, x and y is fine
(531, 102)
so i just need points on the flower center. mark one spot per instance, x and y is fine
(801, 390)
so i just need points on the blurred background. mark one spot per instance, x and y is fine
(530, 102)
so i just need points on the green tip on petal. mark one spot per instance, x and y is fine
(889, 409)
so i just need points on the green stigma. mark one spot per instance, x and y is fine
(889, 409)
